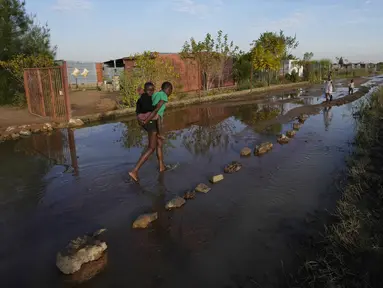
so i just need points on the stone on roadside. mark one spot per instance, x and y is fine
(233, 167)
(144, 220)
(15, 136)
(47, 127)
(75, 123)
(246, 151)
(291, 133)
(189, 195)
(10, 129)
(283, 139)
(25, 133)
(202, 188)
(263, 148)
(297, 126)
(176, 202)
(80, 251)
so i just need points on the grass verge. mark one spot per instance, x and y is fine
(351, 249)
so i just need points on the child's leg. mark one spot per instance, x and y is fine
(159, 128)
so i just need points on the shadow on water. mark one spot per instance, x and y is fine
(57, 187)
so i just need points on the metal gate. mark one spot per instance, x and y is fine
(46, 90)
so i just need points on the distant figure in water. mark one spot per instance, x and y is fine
(328, 89)
(351, 87)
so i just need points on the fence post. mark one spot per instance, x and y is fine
(53, 98)
(64, 75)
(26, 89)
(41, 92)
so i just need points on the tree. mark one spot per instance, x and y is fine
(149, 66)
(225, 51)
(308, 56)
(242, 68)
(267, 53)
(20, 36)
(212, 56)
(291, 43)
(341, 62)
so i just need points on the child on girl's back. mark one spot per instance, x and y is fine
(144, 107)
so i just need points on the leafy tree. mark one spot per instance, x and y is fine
(308, 56)
(267, 52)
(148, 67)
(242, 68)
(291, 43)
(212, 56)
(341, 62)
(225, 51)
(20, 36)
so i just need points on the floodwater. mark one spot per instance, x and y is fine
(241, 234)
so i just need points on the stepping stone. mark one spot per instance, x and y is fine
(246, 151)
(263, 148)
(202, 188)
(216, 178)
(176, 202)
(144, 220)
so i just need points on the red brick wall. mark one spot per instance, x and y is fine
(99, 72)
(188, 69)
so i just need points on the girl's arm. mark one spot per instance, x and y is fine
(155, 111)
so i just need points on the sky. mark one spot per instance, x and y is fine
(101, 30)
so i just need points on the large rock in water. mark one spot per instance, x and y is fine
(88, 270)
(176, 202)
(263, 148)
(233, 167)
(144, 220)
(80, 251)
(246, 151)
(202, 188)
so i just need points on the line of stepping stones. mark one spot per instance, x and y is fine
(85, 257)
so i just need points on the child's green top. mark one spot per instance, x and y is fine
(157, 97)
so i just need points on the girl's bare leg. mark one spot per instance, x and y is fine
(160, 154)
(144, 157)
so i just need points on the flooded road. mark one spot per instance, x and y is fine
(241, 234)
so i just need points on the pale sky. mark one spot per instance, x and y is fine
(100, 30)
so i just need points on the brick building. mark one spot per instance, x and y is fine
(191, 78)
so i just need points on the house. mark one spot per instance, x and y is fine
(288, 66)
(191, 78)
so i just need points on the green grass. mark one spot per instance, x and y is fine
(351, 251)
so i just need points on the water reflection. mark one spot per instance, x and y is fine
(243, 215)
(327, 117)
(59, 148)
